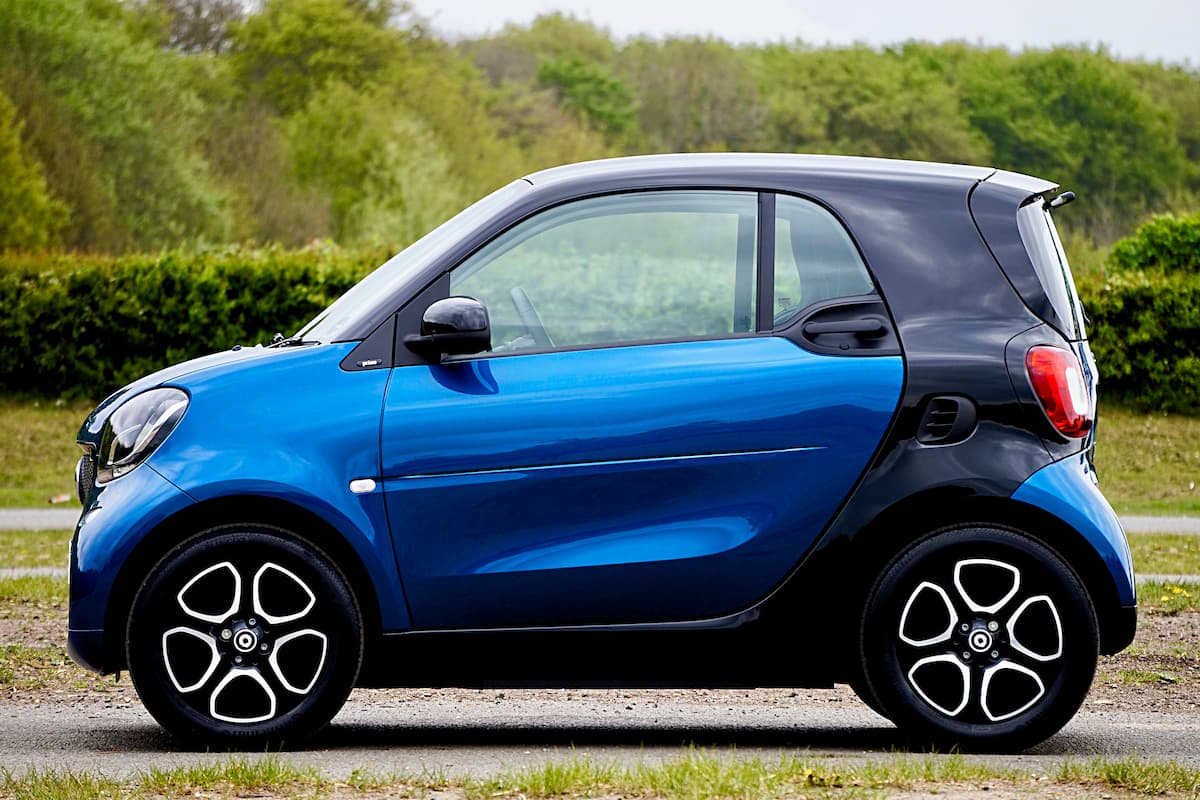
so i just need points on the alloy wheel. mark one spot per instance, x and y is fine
(244, 636)
(979, 637)
(980, 649)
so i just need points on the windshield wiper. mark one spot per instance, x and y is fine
(292, 341)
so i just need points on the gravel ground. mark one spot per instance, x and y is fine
(1159, 672)
(1145, 701)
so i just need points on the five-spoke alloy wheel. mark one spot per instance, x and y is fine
(979, 637)
(244, 635)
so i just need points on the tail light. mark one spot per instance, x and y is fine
(1057, 381)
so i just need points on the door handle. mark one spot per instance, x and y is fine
(866, 327)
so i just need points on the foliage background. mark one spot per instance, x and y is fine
(174, 174)
(134, 125)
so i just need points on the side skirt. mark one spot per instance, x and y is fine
(747, 656)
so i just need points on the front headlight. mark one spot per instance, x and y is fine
(136, 429)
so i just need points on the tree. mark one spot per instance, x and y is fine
(1077, 116)
(590, 90)
(693, 94)
(292, 48)
(386, 178)
(128, 106)
(862, 101)
(200, 26)
(30, 217)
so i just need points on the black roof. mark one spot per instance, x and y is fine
(863, 186)
(729, 164)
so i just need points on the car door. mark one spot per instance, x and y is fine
(640, 445)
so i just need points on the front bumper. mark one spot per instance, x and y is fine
(120, 514)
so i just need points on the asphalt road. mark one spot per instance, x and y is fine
(489, 736)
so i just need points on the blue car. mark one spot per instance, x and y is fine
(681, 420)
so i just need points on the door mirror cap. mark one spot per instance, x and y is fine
(453, 326)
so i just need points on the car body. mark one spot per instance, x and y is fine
(679, 420)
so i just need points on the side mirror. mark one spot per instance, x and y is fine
(454, 326)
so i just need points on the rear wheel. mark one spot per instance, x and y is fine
(244, 636)
(981, 638)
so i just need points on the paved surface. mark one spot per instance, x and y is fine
(1136, 524)
(1168, 579)
(39, 519)
(487, 737)
(50, 519)
(7, 573)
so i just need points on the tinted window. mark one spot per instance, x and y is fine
(1046, 251)
(815, 260)
(624, 268)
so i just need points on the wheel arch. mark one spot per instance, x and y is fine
(853, 563)
(251, 509)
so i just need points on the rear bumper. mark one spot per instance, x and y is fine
(1067, 489)
(86, 648)
(1118, 634)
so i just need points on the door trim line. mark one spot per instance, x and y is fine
(605, 463)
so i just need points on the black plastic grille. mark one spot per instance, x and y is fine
(85, 477)
(947, 420)
(939, 419)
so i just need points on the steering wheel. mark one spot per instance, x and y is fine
(529, 317)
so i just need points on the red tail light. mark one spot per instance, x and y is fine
(1057, 380)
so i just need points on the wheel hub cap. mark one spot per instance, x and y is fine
(980, 640)
(245, 640)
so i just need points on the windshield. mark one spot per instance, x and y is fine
(332, 324)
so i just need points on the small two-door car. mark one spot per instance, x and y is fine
(683, 420)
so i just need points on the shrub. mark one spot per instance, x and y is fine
(1145, 333)
(1166, 242)
(80, 326)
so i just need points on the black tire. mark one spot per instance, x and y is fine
(863, 690)
(244, 636)
(1019, 669)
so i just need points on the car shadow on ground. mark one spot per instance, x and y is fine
(859, 740)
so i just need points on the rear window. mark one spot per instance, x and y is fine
(1046, 251)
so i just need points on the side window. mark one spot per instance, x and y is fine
(622, 268)
(814, 258)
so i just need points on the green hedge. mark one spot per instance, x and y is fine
(80, 326)
(1146, 316)
(1167, 242)
(1145, 333)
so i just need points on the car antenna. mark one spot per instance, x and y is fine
(1060, 200)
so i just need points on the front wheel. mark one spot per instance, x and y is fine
(244, 636)
(981, 638)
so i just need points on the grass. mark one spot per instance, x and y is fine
(36, 590)
(1165, 553)
(1134, 677)
(34, 548)
(1148, 463)
(1167, 598)
(696, 774)
(36, 669)
(38, 450)
(239, 775)
(1153, 779)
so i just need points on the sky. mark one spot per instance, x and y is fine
(1157, 30)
